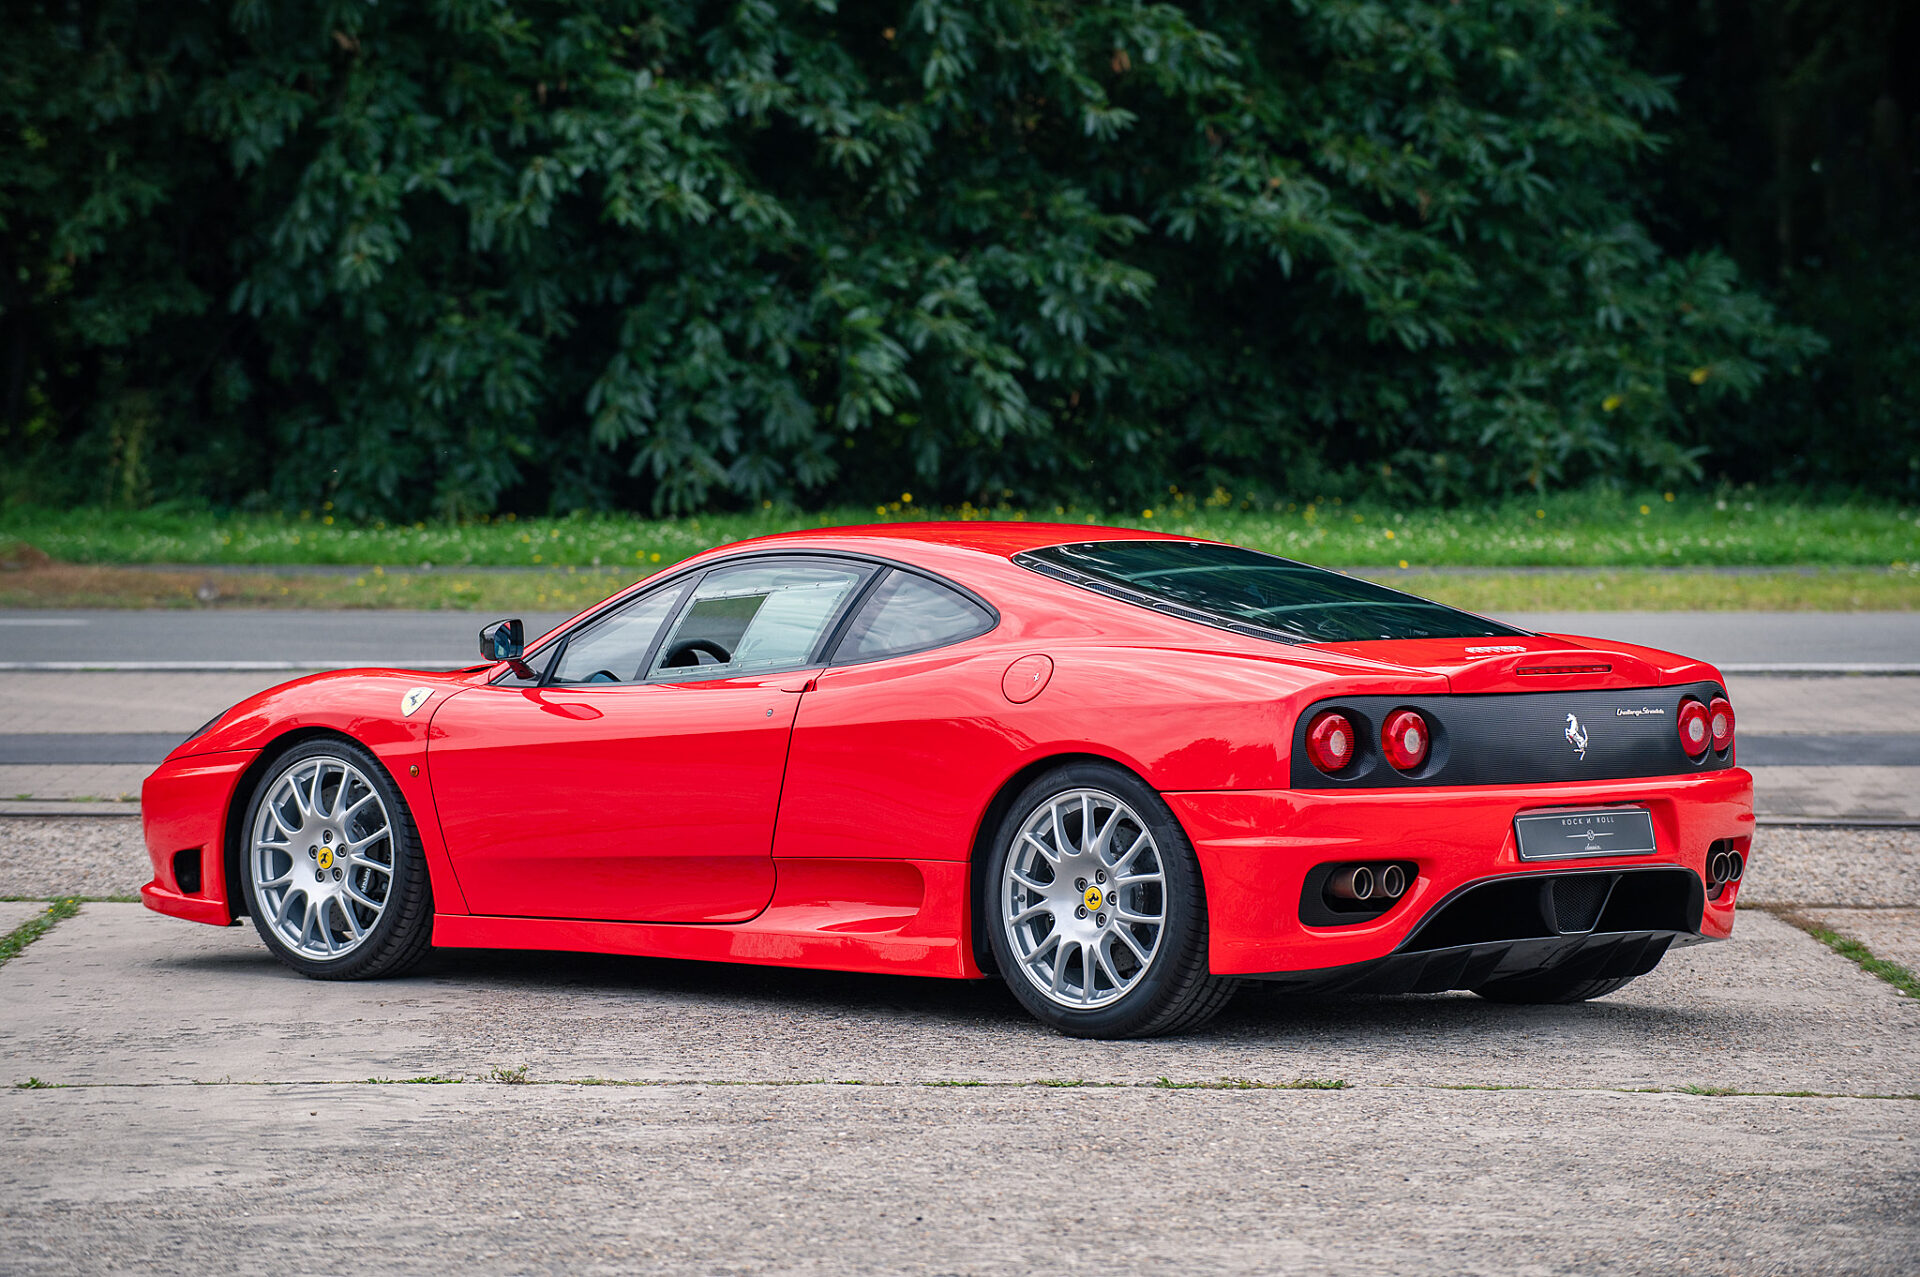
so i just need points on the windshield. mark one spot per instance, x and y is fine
(1256, 593)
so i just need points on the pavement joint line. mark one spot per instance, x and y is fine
(15, 942)
(1158, 1084)
(1904, 982)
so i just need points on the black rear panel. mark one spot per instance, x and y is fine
(1519, 738)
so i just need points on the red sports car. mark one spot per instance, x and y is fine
(1123, 771)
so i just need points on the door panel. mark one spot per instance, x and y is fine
(629, 802)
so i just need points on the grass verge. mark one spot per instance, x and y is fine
(1592, 527)
(33, 928)
(569, 589)
(1852, 950)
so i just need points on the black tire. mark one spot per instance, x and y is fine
(1549, 988)
(1173, 992)
(403, 931)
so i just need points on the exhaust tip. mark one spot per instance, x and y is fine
(1393, 881)
(1736, 866)
(1717, 869)
(1352, 884)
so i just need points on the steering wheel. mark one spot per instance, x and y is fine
(687, 653)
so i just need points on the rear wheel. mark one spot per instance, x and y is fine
(1550, 987)
(334, 878)
(1098, 913)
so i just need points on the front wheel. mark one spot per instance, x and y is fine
(335, 881)
(1098, 912)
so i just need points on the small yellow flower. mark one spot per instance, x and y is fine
(654, 557)
(1539, 514)
(1146, 514)
(907, 497)
(1699, 375)
(1403, 563)
(1389, 534)
(1610, 403)
(1646, 509)
(640, 554)
(327, 519)
(1669, 496)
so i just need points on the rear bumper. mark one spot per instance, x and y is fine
(1256, 847)
(183, 815)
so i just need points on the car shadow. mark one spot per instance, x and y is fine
(1257, 1013)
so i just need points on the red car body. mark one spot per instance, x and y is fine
(834, 817)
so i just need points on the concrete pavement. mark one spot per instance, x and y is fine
(211, 1111)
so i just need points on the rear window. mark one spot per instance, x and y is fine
(1250, 592)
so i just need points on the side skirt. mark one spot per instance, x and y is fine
(889, 917)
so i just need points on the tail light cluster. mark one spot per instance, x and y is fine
(1706, 726)
(1405, 740)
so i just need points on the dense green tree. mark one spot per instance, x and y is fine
(1796, 145)
(457, 254)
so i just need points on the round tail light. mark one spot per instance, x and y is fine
(1720, 722)
(1405, 739)
(1696, 733)
(1330, 741)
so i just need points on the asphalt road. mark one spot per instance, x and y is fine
(424, 639)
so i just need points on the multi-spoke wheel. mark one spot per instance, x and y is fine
(1099, 916)
(335, 882)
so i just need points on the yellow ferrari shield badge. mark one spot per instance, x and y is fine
(1093, 897)
(326, 857)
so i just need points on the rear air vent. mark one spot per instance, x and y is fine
(1542, 906)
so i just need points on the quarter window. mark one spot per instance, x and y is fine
(909, 613)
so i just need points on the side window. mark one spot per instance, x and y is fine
(758, 616)
(614, 649)
(909, 613)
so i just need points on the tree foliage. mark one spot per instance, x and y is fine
(459, 254)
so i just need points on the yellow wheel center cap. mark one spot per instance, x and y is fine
(326, 857)
(1093, 898)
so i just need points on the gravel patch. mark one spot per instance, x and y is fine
(44, 857)
(97, 856)
(1855, 868)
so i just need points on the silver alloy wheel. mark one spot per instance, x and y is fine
(322, 858)
(1083, 900)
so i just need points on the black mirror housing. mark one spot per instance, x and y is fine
(503, 641)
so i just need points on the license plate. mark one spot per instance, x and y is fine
(1568, 833)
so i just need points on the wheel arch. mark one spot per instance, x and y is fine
(234, 838)
(978, 904)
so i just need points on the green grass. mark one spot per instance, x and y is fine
(1590, 528)
(33, 928)
(1892, 972)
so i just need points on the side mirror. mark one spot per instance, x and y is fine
(506, 641)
